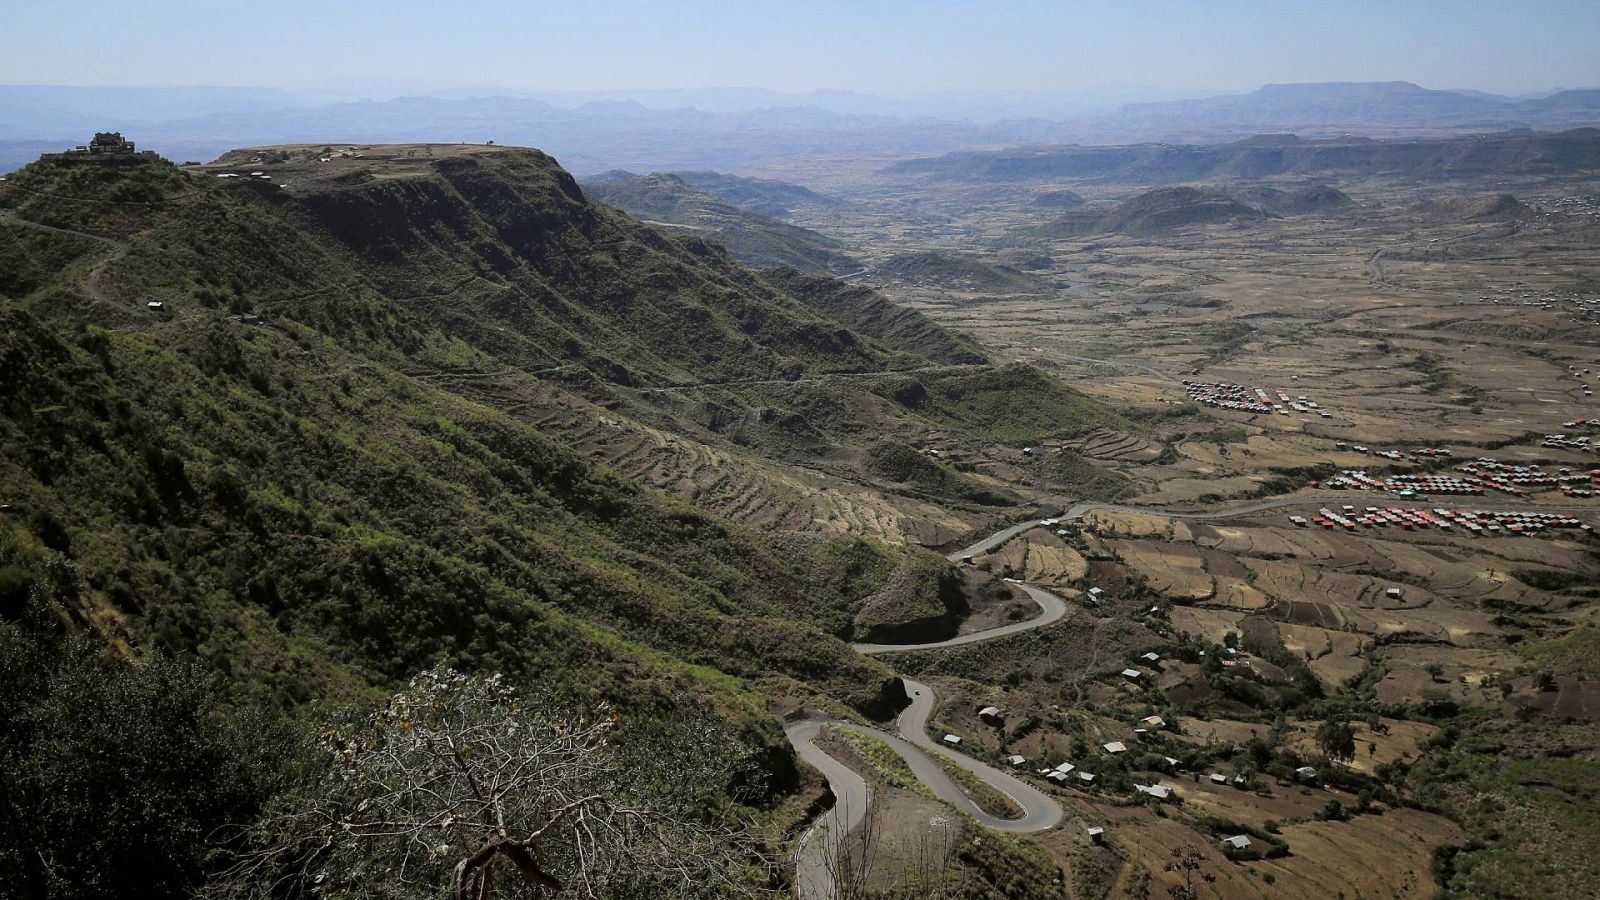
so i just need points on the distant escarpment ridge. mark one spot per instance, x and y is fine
(1153, 212)
(1505, 153)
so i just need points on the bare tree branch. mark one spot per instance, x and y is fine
(427, 793)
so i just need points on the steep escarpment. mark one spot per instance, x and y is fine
(540, 275)
(287, 499)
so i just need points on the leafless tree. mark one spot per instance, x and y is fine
(847, 858)
(456, 781)
(932, 861)
(1186, 862)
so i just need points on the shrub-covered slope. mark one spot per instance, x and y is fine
(309, 501)
(754, 238)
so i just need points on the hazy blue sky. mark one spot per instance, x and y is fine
(887, 47)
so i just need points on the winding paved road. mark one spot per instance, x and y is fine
(1053, 609)
(824, 838)
(821, 842)
(852, 799)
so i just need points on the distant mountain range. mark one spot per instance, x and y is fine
(746, 130)
(1507, 153)
(1331, 109)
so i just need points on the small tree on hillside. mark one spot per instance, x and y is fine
(1186, 862)
(457, 783)
(1336, 739)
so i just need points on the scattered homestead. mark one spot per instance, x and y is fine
(1586, 309)
(1240, 398)
(1472, 521)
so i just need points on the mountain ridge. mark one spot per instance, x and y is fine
(1565, 152)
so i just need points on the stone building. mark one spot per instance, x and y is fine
(105, 147)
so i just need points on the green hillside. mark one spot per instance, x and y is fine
(311, 512)
(755, 238)
(319, 466)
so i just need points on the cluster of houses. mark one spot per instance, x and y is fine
(1406, 484)
(1420, 452)
(1580, 443)
(1242, 398)
(1067, 773)
(1582, 377)
(1586, 309)
(1470, 521)
(1474, 478)
(261, 175)
(1570, 204)
(1514, 479)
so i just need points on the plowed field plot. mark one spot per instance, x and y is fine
(1334, 656)
(1119, 523)
(1572, 699)
(1181, 492)
(1368, 856)
(1174, 569)
(1394, 740)
(1040, 557)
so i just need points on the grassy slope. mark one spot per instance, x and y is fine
(754, 238)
